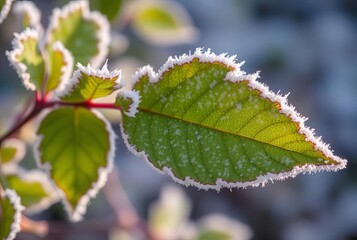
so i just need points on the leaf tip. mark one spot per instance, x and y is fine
(128, 101)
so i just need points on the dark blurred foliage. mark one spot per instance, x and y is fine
(304, 47)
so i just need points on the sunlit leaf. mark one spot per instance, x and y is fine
(27, 59)
(10, 208)
(84, 33)
(28, 14)
(88, 84)
(60, 67)
(169, 215)
(128, 102)
(220, 227)
(205, 123)
(12, 150)
(161, 22)
(110, 8)
(5, 6)
(33, 187)
(76, 148)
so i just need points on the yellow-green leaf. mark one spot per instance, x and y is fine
(26, 58)
(60, 67)
(33, 187)
(11, 209)
(88, 84)
(76, 149)
(161, 22)
(12, 151)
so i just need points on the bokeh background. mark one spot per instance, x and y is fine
(307, 48)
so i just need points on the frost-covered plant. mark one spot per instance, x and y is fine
(200, 119)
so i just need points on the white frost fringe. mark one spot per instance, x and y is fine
(16, 203)
(34, 176)
(18, 48)
(103, 73)
(235, 76)
(28, 8)
(5, 10)
(77, 213)
(102, 34)
(135, 97)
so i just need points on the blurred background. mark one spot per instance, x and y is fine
(307, 48)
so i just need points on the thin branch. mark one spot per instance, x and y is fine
(126, 215)
(36, 110)
(42, 103)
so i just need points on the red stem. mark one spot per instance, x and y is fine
(42, 103)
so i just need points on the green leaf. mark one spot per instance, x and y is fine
(76, 148)
(214, 235)
(110, 8)
(205, 123)
(60, 67)
(88, 84)
(161, 22)
(12, 151)
(5, 6)
(84, 33)
(219, 227)
(26, 58)
(10, 215)
(28, 14)
(169, 215)
(33, 187)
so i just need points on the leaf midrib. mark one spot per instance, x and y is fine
(236, 134)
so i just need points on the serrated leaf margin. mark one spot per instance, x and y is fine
(32, 176)
(134, 97)
(76, 214)
(18, 49)
(5, 10)
(237, 75)
(21, 8)
(103, 73)
(15, 200)
(102, 34)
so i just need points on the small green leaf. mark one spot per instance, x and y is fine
(110, 8)
(214, 235)
(205, 123)
(12, 151)
(162, 22)
(60, 67)
(88, 84)
(169, 215)
(128, 102)
(76, 149)
(220, 227)
(10, 208)
(84, 33)
(28, 14)
(33, 187)
(26, 58)
(5, 6)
